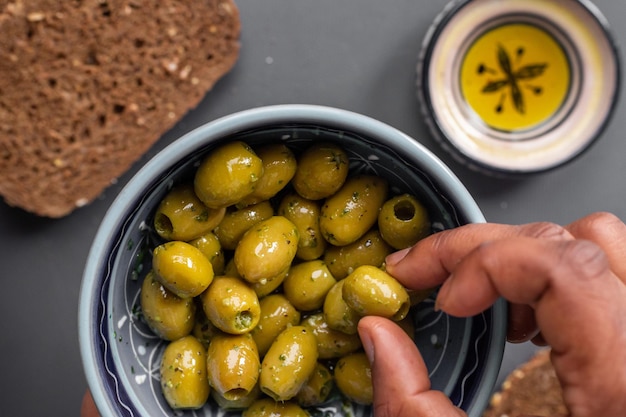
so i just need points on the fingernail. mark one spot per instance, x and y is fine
(396, 257)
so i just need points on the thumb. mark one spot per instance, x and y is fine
(399, 375)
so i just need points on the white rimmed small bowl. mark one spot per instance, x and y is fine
(518, 87)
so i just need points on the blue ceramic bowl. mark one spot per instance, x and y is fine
(121, 356)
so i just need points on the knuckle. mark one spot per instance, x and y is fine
(585, 258)
(595, 223)
(547, 230)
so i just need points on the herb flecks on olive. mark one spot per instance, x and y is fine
(264, 265)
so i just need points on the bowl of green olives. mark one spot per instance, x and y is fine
(229, 274)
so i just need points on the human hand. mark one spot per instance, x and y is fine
(88, 407)
(566, 287)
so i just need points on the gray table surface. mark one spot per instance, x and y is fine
(358, 55)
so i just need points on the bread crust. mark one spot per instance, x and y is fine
(531, 389)
(88, 86)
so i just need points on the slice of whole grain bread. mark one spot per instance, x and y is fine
(87, 86)
(531, 389)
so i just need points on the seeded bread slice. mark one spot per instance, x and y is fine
(532, 389)
(87, 86)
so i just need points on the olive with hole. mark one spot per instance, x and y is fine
(182, 216)
(233, 365)
(231, 305)
(403, 221)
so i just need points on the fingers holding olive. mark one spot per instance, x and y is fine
(370, 291)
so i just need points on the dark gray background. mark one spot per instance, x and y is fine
(358, 55)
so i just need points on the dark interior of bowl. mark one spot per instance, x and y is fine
(455, 350)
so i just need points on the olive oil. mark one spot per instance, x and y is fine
(515, 76)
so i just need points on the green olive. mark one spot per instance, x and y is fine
(238, 404)
(266, 249)
(203, 329)
(237, 221)
(210, 246)
(403, 221)
(276, 314)
(304, 214)
(322, 169)
(182, 268)
(231, 305)
(182, 216)
(289, 363)
(264, 286)
(307, 284)
(183, 374)
(353, 210)
(230, 270)
(331, 344)
(227, 174)
(353, 377)
(371, 291)
(267, 286)
(168, 315)
(370, 249)
(337, 313)
(317, 388)
(266, 407)
(233, 365)
(279, 167)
